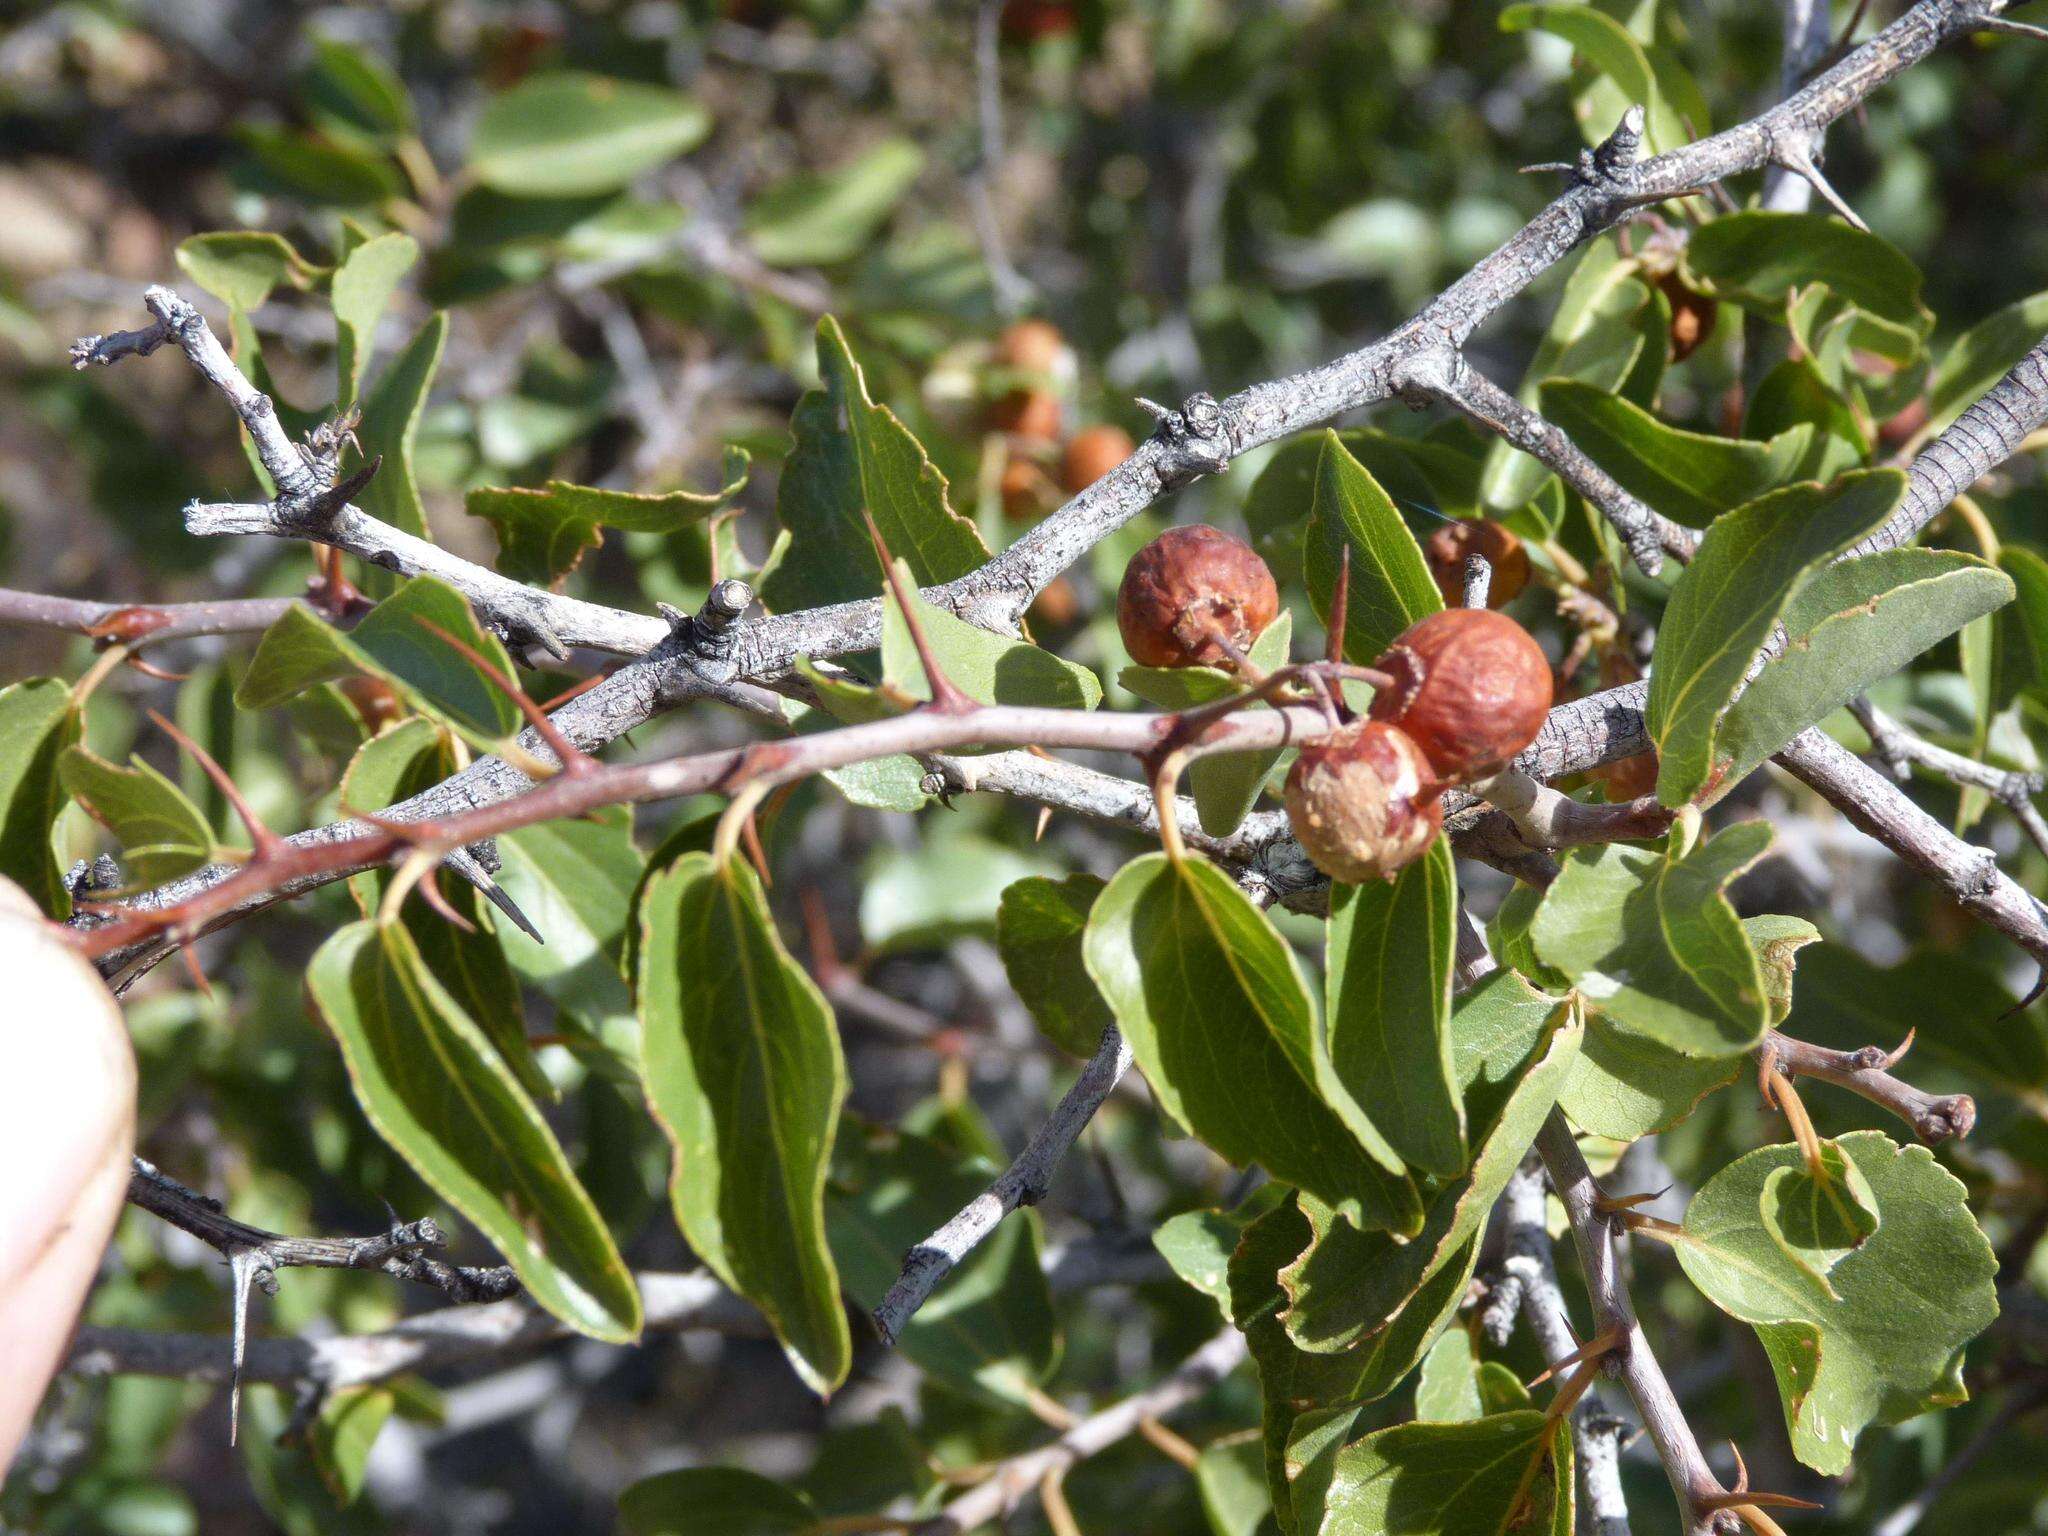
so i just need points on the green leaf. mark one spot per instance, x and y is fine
(1231, 1478)
(162, 834)
(390, 426)
(1688, 476)
(566, 134)
(333, 172)
(1759, 257)
(715, 1501)
(990, 1326)
(1226, 785)
(244, 267)
(343, 1433)
(436, 1090)
(1295, 1383)
(37, 724)
(744, 1072)
(391, 643)
(1507, 1472)
(1887, 1344)
(1214, 1006)
(1724, 607)
(1626, 1085)
(1777, 940)
(1610, 48)
(1388, 1002)
(947, 885)
(544, 534)
(1852, 625)
(1595, 336)
(576, 880)
(1456, 1385)
(1391, 586)
(363, 285)
(853, 455)
(349, 89)
(1039, 929)
(1819, 1216)
(1983, 355)
(1350, 1283)
(988, 668)
(1197, 1245)
(1653, 943)
(822, 218)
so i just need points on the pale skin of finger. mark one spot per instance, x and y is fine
(67, 1129)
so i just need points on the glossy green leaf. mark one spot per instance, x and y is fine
(1508, 1472)
(715, 1501)
(1691, 477)
(1852, 625)
(1305, 1390)
(947, 885)
(1758, 257)
(1197, 1245)
(1456, 1385)
(1388, 1003)
(301, 650)
(1612, 50)
(362, 286)
(438, 1093)
(244, 267)
(744, 1071)
(575, 880)
(1039, 929)
(990, 1326)
(350, 89)
(1653, 943)
(1226, 785)
(1391, 586)
(37, 724)
(390, 427)
(343, 1433)
(1819, 1215)
(852, 455)
(544, 534)
(988, 668)
(162, 834)
(1231, 1478)
(566, 134)
(1214, 1006)
(820, 218)
(1349, 1283)
(1887, 1344)
(1726, 604)
(1982, 355)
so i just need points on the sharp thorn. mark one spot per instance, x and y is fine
(464, 863)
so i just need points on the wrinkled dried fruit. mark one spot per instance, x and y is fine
(1449, 546)
(1363, 802)
(1184, 589)
(1628, 778)
(1470, 686)
(1092, 453)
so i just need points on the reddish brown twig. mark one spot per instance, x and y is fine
(574, 760)
(947, 698)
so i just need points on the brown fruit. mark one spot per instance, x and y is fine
(1900, 429)
(375, 700)
(1692, 316)
(1627, 778)
(1451, 544)
(1363, 802)
(1470, 686)
(1026, 21)
(1029, 415)
(1092, 453)
(1023, 489)
(1184, 589)
(1035, 346)
(1057, 606)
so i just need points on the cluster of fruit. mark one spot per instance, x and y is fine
(1035, 368)
(1468, 690)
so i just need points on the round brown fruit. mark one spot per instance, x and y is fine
(1057, 606)
(1092, 453)
(1363, 802)
(1031, 416)
(1023, 489)
(1035, 346)
(1026, 21)
(1628, 778)
(1469, 686)
(1187, 587)
(1450, 546)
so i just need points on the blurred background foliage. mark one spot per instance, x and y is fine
(632, 216)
